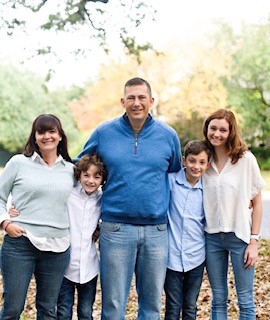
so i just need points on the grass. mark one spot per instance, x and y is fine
(266, 176)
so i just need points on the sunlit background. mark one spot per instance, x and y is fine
(206, 55)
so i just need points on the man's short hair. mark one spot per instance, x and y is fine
(138, 82)
(195, 147)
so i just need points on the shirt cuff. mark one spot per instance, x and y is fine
(4, 217)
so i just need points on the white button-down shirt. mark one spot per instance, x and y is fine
(227, 195)
(84, 214)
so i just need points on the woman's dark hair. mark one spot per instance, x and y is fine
(86, 161)
(46, 122)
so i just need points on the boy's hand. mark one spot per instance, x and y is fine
(13, 212)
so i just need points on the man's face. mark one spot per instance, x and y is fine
(137, 102)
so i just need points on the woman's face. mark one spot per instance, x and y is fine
(48, 141)
(218, 132)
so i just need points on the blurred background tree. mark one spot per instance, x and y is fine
(22, 99)
(96, 20)
(228, 70)
(249, 84)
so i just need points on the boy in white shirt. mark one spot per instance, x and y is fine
(84, 214)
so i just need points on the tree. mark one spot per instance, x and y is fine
(22, 99)
(249, 84)
(95, 19)
(183, 95)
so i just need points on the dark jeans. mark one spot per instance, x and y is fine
(182, 290)
(20, 260)
(86, 299)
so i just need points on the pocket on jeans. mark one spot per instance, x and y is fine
(162, 227)
(111, 226)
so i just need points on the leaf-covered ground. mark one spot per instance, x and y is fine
(262, 294)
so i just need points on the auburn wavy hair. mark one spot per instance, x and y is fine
(235, 144)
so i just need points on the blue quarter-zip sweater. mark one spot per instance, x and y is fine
(137, 187)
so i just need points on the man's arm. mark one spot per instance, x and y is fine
(175, 163)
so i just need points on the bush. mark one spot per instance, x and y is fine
(263, 156)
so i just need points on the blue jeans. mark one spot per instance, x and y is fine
(182, 290)
(86, 298)
(219, 247)
(125, 249)
(20, 260)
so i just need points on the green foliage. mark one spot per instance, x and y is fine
(249, 83)
(74, 93)
(262, 154)
(188, 128)
(96, 18)
(22, 99)
(266, 177)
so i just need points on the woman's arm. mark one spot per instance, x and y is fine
(251, 254)
(257, 214)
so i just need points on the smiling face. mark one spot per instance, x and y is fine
(91, 179)
(196, 165)
(48, 141)
(137, 102)
(218, 132)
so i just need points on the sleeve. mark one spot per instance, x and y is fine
(170, 176)
(257, 181)
(7, 180)
(91, 145)
(175, 163)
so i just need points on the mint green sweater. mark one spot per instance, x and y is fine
(40, 194)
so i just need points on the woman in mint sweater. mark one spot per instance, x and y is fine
(37, 241)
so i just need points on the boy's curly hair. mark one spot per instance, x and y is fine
(86, 161)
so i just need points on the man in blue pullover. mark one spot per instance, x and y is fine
(138, 152)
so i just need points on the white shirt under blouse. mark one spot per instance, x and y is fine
(84, 214)
(227, 195)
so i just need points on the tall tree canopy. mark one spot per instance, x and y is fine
(183, 94)
(249, 83)
(22, 99)
(96, 19)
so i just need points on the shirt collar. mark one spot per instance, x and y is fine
(180, 178)
(147, 122)
(37, 158)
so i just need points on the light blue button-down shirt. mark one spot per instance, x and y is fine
(186, 223)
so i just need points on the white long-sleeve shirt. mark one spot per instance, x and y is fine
(227, 195)
(84, 214)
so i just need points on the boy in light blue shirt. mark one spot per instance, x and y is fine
(186, 257)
